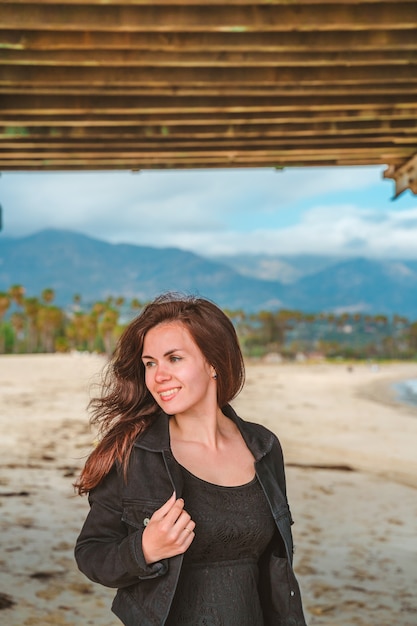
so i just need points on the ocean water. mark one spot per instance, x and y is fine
(406, 391)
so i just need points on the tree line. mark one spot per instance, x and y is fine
(36, 324)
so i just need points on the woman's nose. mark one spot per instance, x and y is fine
(162, 373)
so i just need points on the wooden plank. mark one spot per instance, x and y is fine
(400, 91)
(226, 18)
(206, 59)
(194, 2)
(86, 77)
(198, 151)
(36, 166)
(389, 128)
(377, 40)
(191, 119)
(223, 158)
(183, 106)
(60, 149)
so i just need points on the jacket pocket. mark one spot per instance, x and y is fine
(285, 605)
(280, 586)
(137, 513)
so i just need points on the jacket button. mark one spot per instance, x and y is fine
(146, 521)
(292, 593)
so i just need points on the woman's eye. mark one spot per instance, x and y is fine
(174, 359)
(148, 364)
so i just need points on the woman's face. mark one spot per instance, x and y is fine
(176, 372)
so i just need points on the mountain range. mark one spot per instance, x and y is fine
(72, 263)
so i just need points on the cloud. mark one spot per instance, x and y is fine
(103, 204)
(312, 210)
(78, 198)
(340, 230)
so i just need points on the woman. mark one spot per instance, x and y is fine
(189, 518)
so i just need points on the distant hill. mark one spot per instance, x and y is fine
(360, 285)
(72, 263)
(325, 283)
(284, 269)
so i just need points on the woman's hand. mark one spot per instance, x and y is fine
(169, 532)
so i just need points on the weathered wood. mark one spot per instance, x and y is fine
(134, 84)
(294, 41)
(225, 18)
(361, 129)
(194, 2)
(207, 59)
(165, 142)
(226, 157)
(366, 92)
(360, 106)
(86, 77)
(168, 119)
(38, 165)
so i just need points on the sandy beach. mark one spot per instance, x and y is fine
(351, 454)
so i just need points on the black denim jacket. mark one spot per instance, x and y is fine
(109, 547)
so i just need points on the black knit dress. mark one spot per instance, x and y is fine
(219, 577)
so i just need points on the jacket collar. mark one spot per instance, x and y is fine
(156, 437)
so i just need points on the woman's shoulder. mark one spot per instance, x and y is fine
(154, 435)
(248, 423)
(264, 438)
(263, 432)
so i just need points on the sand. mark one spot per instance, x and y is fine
(351, 455)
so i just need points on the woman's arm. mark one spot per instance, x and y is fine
(107, 551)
(121, 545)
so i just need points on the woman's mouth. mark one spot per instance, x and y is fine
(169, 393)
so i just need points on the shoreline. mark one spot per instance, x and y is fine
(350, 415)
(405, 391)
(384, 392)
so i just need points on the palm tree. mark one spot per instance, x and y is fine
(48, 295)
(18, 323)
(74, 331)
(98, 308)
(107, 327)
(4, 306)
(136, 304)
(77, 301)
(90, 329)
(31, 307)
(412, 338)
(50, 320)
(81, 331)
(17, 293)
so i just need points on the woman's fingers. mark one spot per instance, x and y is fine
(174, 512)
(170, 511)
(169, 532)
(165, 508)
(184, 521)
(189, 528)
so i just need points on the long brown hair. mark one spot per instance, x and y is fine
(125, 407)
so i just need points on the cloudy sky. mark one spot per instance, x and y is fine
(346, 211)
